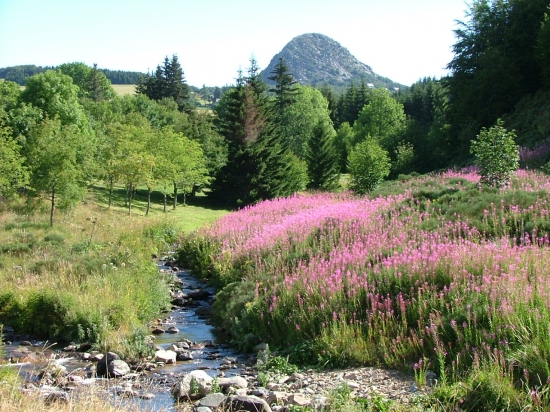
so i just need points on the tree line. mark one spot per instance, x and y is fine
(19, 74)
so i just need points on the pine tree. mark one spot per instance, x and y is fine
(285, 93)
(321, 159)
(168, 81)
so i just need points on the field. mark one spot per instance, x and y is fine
(90, 276)
(122, 89)
(431, 273)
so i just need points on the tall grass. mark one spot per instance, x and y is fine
(445, 273)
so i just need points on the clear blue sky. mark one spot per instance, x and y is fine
(401, 39)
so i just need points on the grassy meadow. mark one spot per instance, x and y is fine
(123, 89)
(90, 277)
(428, 273)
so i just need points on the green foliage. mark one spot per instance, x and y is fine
(321, 159)
(496, 155)
(382, 118)
(57, 96)
(268, 362)
(92, 83)
(404, 159)
(13, 173)
(368, 165)
(168, 81)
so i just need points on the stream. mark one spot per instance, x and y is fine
(212, 357)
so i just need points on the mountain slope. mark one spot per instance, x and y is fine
(315, 59)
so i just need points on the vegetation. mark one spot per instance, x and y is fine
(423, 276)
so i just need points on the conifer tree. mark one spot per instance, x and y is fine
(285, 93)
(321, 159)
(168, 81)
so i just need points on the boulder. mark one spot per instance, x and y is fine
(165, 356)
(195, 381)
(101, 368)
(203, 311)
(118, 368)
(245, 403)
(212, 400)
(235, 382)
(184, 355)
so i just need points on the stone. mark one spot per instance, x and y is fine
(198, 294)
(157, 331)
(165, 356)
(101, 367)
(182, 389)
(172, 329)
(203, 311)
(235, 381)
(118, 368)
(147, 396)
(298, 399)
(277, 397)
(245, 403)
(184, 355)
(127, 393)
(56, 396)
(212, 400)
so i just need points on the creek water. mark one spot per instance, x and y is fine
(158, 382)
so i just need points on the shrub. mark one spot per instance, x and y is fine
(497, 155)
(368, 165)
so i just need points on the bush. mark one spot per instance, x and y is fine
(497, 155)
(368, 165)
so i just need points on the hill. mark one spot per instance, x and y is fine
(315, 59)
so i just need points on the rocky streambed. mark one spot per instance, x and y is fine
(191, 369)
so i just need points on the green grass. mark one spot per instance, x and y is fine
(195, 213)
(123, 89)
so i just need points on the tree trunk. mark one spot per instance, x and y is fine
(164, 201)
(184, 198)
(130, 196)
(128, 189)
(148, 201)
(53, 205)
(175, 195)
(110, 192)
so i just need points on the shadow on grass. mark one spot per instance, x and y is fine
(100, 194)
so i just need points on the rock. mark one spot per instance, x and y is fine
(147, 396)
(181, 345)
(235, 382)
(184, 355)
(25, 343)
(172, 329)
(277, 396)
(319, 403)
(298, 399)
(203, 311)
(127, 393)
(245, 403)
(55, 397)
(431, 378)
(198, 294)
(260, 347)
(203, 409)
(70, 348)
(165, 356)
(202, 383)
(101, 367)
(260, 392)
(157, 331)
(212, 400)
(118, 368)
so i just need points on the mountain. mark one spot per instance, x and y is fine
(315, 59)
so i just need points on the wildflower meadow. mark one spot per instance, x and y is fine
(441, 275)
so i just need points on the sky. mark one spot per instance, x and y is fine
(404, 40)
